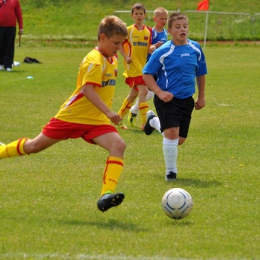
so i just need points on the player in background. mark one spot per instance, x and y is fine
(179, 64)
(87, 112)
(10, 15)
(135, 50)
(159, 36)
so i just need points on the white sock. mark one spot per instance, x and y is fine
(149, 95)
(135, 108)
(155, 123)
(170, 151)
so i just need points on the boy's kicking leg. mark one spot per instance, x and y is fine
(113, 143)
(25, 146)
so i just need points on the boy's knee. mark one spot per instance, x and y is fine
(181, 140)
(31, 147)
(122, 145)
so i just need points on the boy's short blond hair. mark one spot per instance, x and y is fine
(176, 16)
(160, 10)
(112, 25)
(138, 6)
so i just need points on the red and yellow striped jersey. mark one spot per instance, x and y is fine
(96, 70)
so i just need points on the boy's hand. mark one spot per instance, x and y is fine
(129, 60)
(152, 48)
(165, 96)
(158, 44)
(114, 117)
(200, 103)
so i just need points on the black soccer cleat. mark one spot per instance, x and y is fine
(30, 60)
(110, 200)
(171, 176)
(147, 128)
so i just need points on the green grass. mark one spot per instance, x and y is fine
(48, 200)
(75, 22)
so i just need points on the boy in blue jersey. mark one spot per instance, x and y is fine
(159, 36)
(159, 33)
(178, 64)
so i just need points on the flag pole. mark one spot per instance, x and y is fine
(206, 28)
(179, 5)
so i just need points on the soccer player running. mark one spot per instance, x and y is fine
(159, 36)
(135, 50)
(87, 112)
(177, 63)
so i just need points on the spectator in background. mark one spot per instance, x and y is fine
(10, 12)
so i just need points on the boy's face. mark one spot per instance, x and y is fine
(138, 16)
(179, 31)
(160, 20)
(110, 46)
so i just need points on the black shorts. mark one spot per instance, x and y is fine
(176, 113)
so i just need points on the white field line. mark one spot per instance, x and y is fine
(82, 256)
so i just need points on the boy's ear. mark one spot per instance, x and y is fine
(170, 31)
(102, 36)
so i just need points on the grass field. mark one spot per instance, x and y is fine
(48, 201)
(76, 20)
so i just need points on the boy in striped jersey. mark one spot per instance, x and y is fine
(87, 112)
(135, 50)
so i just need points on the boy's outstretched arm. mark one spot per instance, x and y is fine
(200, 102)
(93, 97)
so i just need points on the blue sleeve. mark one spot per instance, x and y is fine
(153, 65)
(202, 66)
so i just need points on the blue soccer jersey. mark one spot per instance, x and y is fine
(158, 37)
(176, 67)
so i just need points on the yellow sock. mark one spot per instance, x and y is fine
(114, 167)
(143, 108)
(124, 108)
(13, 149)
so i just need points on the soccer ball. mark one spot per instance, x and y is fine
(177, 203)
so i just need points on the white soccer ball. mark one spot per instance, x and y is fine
(177, 203)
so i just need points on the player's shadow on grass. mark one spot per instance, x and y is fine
(111, 224)
(16, 72)
(194, 182)
(180, 223)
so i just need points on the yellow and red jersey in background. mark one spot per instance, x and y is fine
(137, 46)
